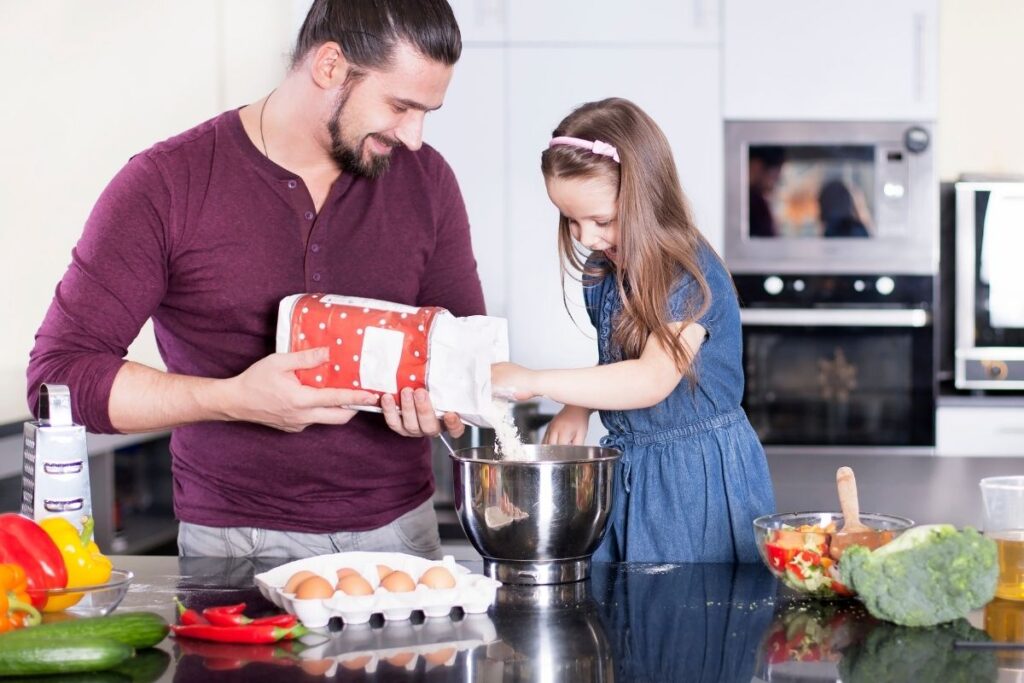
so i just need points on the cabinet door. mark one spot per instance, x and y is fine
(469, 132)
(684, 102)
(808, 59)
(613, 21)
(480, 20)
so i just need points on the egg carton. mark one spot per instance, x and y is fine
(403, 644)
(474, 593)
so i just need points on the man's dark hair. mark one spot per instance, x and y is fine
(369, 30)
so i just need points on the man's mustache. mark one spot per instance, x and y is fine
(384, 140)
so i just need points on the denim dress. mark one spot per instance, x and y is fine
(693, 475)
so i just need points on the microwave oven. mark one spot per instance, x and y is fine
(831, 197)
(989, 313)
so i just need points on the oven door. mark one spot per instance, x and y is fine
(840, 377)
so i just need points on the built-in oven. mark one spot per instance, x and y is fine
(839, 361)
(989, 314)
(830, 197)
(832, 237)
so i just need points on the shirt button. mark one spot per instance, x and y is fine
(315, 248)
(292, 184)
(316, 277)
(309, 215)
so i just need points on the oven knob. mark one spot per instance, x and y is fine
(885, 285)
(773, 285)
(798, 285)
(916, 139)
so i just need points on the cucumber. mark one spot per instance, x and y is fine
(67, 655)
(136, 629)
(109, 676)
(146, 666)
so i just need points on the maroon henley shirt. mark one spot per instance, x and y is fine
(205, 235)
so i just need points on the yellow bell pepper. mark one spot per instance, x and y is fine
(85, 564)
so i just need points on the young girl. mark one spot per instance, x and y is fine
(669, 381)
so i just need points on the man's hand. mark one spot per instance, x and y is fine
(417, 416)
(269, 393)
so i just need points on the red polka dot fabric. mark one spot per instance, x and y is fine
(374, 345)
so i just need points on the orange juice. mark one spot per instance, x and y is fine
(1004, 620)
(1011, 563)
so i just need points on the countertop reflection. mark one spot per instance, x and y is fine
(661, 622)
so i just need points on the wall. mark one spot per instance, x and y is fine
(88, 84)
(981, 103)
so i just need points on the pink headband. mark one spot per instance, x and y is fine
(597, 147)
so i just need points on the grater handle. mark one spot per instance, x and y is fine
(55, 405)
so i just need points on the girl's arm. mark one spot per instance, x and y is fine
(629, 384)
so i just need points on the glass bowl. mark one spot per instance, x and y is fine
(800, 559)
(97, 600)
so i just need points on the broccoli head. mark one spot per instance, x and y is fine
(928, 575)
(895, 653)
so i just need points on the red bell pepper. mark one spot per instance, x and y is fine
(779, 556)
(38, 542)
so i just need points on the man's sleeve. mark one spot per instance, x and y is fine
(451, 279)
(116, 280)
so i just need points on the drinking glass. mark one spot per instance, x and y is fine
(1004, 523)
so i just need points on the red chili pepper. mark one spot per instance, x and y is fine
(188, 616)
(39, 545)
(282, 620)
(261, 633)
(225, 609)
(231, 615)
(235, 656)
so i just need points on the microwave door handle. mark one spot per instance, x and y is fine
(834, 317)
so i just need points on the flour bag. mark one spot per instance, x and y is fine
(384, 347)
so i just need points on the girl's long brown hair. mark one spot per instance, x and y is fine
(658, 241)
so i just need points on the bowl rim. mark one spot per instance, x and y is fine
(461, 455)
(761, 522)
(118, 578)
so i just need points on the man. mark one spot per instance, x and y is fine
(322, 186)
(764, 170)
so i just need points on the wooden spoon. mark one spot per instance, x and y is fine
(853, 531)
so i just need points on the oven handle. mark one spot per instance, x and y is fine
(835, 317)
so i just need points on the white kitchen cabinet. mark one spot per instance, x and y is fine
(481, 21)
(469, 131)
(980, 428)
(613, 21)
(685, 103)
(826, 59)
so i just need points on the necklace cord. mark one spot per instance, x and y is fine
(262, 109)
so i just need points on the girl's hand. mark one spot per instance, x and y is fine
(569, 427)
(509, 380)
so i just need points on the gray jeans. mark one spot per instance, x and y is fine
(414, 533)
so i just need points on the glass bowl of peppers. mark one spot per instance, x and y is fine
(95, 600)
(796, 547)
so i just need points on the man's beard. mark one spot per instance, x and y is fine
(350, 158)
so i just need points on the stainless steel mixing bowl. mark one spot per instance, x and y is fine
(535, 520)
